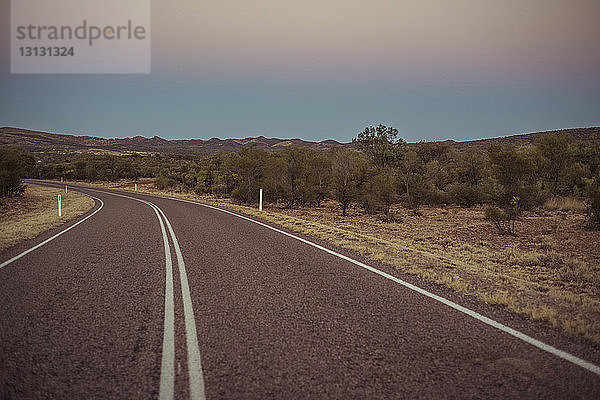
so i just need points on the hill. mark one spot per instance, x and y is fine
(54, 143)
(525, 139)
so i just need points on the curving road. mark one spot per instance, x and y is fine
(153, 297)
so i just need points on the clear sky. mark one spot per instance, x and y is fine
(455, 69)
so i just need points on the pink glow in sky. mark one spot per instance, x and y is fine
(385, 39)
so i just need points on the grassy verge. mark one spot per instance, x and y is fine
(550, 272)
(36, 211)
(566, 204)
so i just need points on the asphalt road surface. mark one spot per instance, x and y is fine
(157, 298)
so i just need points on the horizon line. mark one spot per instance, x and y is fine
(290, 139)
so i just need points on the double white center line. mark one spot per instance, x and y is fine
(167, 369)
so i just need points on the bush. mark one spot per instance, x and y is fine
(499, 218)
(15, 164)
(531, 196)
(165, 180)
(593, 206)
(464, 195)
(504, 220)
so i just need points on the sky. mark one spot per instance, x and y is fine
(316, 70)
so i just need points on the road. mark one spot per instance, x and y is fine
(157, 298)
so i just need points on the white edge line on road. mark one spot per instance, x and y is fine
(526, 338)
(488, 321)
(194, 363)
(167, 375)
(37, 246)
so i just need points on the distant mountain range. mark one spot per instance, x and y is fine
(585, 134)
(54, 143)
(44, 142)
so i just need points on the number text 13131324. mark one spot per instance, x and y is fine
(46, 51)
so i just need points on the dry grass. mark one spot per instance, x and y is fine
(565, 204)
(26, 217)
(550, 272)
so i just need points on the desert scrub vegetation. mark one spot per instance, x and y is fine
(503, 221)
(593, 204)
(378, 171)
(35, 211)
(15, 164)
(565, 204)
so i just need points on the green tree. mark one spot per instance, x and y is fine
(585, 165)
(386, 188)
(385, 152)
(247, 167)
(319, 175)
(472, 167)
(592, 200)
(15, 164)
(471, 184)
(295, 174)
(410, 168)
(381, 145)
(515, 172)
(556, 153)
(434, 173)
(211, 175)
(165, 179)
(346, 166)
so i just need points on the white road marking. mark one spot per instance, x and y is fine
(167, 371)
(15, 258)
(488, 321)
(193, 350)
(167, 366)
(167, 375)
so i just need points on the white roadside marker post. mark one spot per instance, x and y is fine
(260, 201)
(59, 206)
(66, 189)
(135, 187)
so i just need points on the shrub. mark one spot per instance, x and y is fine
(499, 218)
(464, 195)
(15, 164)
(593, 206)
(565, 204)
(504, 220)
(165, 180)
